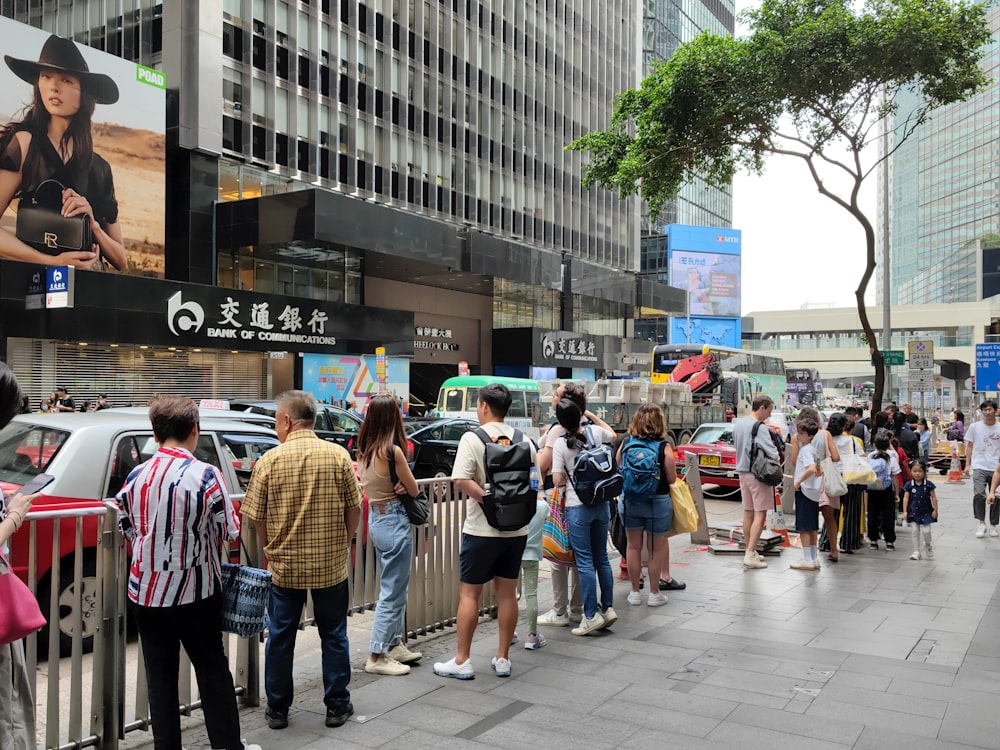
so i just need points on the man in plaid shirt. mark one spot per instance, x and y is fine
(305, 502)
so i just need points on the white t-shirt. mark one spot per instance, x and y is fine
(811, 486)
(563, 458)
(470, 463)
(985, 445)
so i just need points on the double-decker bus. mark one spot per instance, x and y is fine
(804, 387)
(766, 372)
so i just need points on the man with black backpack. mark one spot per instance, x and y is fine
(492, 468)
(751, 436)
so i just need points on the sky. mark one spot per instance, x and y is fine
(798, 246)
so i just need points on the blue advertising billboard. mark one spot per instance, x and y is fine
(339, 378)
(706, 330)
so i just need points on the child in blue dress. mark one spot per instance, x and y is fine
(920, 508)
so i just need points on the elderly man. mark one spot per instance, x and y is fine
(305, 502)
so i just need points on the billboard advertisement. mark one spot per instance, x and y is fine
(339, 378)
(705, 262)
(82, 155)
(705, 330)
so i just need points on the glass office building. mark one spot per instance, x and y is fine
(944, 193)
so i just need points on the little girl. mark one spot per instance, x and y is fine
(920, 508)
(529, 564)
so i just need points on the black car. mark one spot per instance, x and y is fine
(332, 423)
(435, 445)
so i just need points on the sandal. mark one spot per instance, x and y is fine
(834, 559)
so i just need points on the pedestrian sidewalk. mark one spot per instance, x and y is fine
(876, 651)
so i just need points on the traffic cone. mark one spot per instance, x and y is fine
(955, 475)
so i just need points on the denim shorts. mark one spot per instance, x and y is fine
(653, 515)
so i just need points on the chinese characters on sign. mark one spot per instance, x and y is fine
(564, 347)
(426, 332)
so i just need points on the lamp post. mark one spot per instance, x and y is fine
(886, 300)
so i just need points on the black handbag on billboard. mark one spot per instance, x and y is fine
(41, 224)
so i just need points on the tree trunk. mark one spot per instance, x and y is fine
(859, 294)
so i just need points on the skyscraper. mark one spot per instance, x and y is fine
(944, 193)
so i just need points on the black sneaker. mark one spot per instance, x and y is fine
(890, 545)
(873, 545)
(338, 714)
(276, 718)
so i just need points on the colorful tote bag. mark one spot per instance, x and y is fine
(555, 537)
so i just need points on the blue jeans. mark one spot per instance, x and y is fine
(588, 536)
(285, 609)
(390, 533)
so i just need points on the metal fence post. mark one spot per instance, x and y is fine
(108, 708)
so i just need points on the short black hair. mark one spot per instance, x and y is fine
(852, 411)
(497, 398)
(807, 426)
(10, 395)
(836, 423)
(988, 402)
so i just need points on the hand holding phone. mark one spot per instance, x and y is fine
(36, 484)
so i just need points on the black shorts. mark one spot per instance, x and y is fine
(483, 558)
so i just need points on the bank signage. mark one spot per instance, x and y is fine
(567, 349)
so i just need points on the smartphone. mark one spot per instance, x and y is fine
(36, 484)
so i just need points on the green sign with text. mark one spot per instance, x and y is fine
(894, 357)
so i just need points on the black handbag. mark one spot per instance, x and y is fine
(417, 508)
(41, 225)
(762, 466)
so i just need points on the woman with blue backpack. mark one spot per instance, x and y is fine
(648, 469)
(583, 468)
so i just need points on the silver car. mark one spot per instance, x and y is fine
(90, 455)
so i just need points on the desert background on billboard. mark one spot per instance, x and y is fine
(128, 134)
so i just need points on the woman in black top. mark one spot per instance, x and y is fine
(53, 140)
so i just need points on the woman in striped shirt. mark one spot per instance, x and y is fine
(176, 514)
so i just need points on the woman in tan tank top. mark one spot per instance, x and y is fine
(382, 439)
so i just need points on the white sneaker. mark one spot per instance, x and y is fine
(575, 617)
(610, 617)
(656, 600)
(915, 555)
(981, 531)
(251, 747)
(458, 671)
(589, 624)
(553, 618)
(753, 560)
(403, 655)
(534, 641)
(634, 598)
(994, 531)
(501, 666)
(802, 564)
(929, 553)
(386, 665)
(513, 638)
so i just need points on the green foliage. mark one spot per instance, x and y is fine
(717, 104)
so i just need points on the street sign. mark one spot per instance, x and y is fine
(988, 367)
(921, 355)
(894, 357)
(921, 380)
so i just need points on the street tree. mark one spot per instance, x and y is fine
(814, 80)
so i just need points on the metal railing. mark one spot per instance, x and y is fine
(115, 698)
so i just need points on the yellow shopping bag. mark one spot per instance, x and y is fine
(685, 513)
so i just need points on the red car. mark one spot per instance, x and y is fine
(712, 443)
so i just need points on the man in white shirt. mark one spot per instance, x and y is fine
(487, 554)
(982, 455)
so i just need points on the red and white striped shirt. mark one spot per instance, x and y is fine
(176, 513)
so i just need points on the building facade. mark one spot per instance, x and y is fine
(944, 193)
(393, 154)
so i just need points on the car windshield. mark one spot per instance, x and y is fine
(27, 450)
(713, 434)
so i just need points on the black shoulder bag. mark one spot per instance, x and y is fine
(417, 507)
(41, 224)
(762, 466)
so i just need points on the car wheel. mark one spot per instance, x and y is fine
(440, 489)
(65, 616)
(684, 438)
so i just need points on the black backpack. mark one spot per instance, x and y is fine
(511, 503)
(595, 477)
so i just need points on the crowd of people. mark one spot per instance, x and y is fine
(305, 502)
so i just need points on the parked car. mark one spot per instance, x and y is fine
(90, 455)
(332, 423)
(783, 422)
(233, 415)
(435, 445)
(713, 444)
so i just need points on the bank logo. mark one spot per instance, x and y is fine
(548, 346)
(57, 276)
(186, 316)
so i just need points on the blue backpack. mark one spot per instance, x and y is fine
(883, 474)
(640, 468)
(595, 476)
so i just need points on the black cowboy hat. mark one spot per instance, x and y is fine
(62, 54)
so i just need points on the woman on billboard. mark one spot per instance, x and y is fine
(52, 142)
